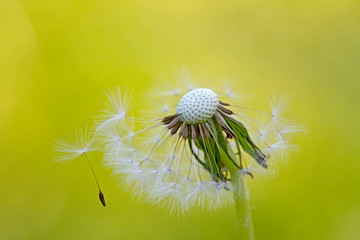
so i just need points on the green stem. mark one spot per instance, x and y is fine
(242, 206)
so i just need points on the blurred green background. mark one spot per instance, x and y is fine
(57, 58)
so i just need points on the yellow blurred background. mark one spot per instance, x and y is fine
(57, 58)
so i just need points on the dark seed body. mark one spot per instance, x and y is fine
(102, 199)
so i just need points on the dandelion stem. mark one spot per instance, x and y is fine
(242, 207)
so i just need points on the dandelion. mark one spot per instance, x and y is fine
(201, 155)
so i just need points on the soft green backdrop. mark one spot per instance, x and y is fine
(57, 58)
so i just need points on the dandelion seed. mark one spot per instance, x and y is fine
(81, 144)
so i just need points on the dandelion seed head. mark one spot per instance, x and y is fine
(198, 106)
